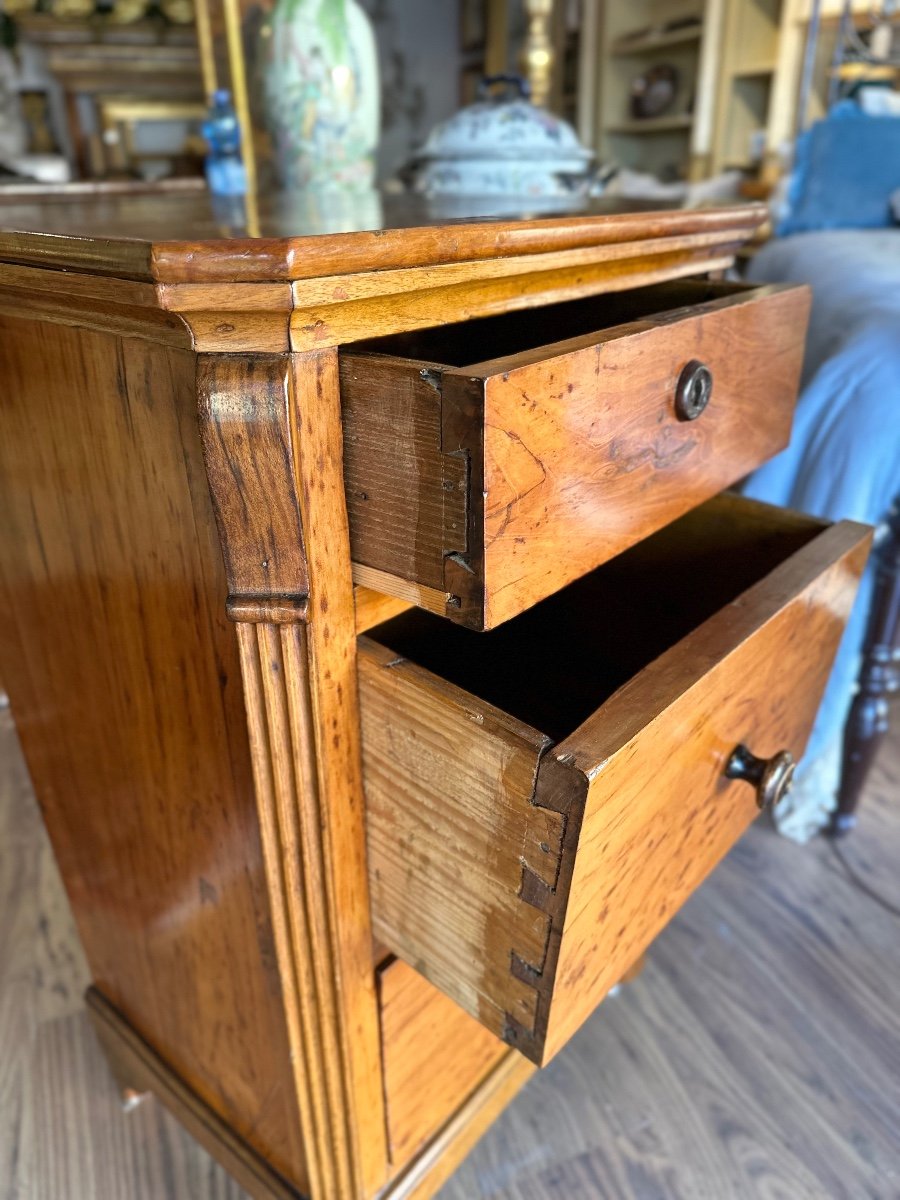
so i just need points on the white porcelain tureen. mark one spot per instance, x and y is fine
(504, 146)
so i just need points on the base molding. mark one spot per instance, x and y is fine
(139, 1068)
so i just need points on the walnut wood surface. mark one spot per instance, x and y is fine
(469, 478)
(418, 298)
(276, 942)
(659, 814)
(475, 1100)
(302, 287)
(124, 679)
(174, 239)
(562, 470)
(435, 1056)
(245, 427)
(551, 896)
(296, 633)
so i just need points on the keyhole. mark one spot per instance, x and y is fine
(693, 391)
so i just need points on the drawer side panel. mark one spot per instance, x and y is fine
(454, 837)
(406, 499)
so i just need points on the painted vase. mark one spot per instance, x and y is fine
(321, 94)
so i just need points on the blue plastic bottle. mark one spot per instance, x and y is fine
(225, 172)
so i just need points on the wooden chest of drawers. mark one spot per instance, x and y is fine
(348, 862)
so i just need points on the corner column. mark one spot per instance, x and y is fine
(272, 443)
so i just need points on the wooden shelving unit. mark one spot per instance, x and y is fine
(651, 125)
(750, 45)
(636, 35)
(651, 42)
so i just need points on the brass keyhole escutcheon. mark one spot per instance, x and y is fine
(693, 390)
(772, 777)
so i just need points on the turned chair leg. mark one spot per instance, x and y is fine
(879, 676)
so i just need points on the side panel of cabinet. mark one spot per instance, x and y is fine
(124, 678)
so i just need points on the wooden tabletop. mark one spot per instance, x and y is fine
(189, 238)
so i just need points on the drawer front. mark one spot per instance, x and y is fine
(524, 878)
(434, 1057)
(477, 491)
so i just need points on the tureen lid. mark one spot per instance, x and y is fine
(499, 127)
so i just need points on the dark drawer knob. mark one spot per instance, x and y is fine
(693, 390)
(772, 777)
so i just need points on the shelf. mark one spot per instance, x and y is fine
(649, 42)
(751, 69)
(652, 124)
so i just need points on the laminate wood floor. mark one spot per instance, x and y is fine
(756, 1058)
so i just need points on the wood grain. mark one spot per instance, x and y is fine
(123, 675)
(551, 894)
(756, 1056)
(664, 1091)
(659, 813)
(430, 301)
(246, 434)
(405, 592)
(406, 499)
(341, 889)
(255, 983)
(77, 1140)
(373, 607)
(435, 1056)
(296, 634)
(138, 1068)
(173, 239)
(449, 784)
(69, 1134)
(494, 465)
(585, 450)
(85, 312)
(347, 287)
(454, 1141)
(305, 292)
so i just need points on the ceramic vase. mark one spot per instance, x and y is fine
(321, 94)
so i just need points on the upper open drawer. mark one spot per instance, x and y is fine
(488, 464)
(541, 799)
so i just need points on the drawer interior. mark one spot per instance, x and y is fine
(551, 666)
(470, 342)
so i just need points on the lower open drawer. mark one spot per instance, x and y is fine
(541, 799)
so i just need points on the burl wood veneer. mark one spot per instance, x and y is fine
(179, 638)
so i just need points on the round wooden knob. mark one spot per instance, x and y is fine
(693, 390)
(772, 777)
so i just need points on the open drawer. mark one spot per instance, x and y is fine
(542, 799)
(489, 463)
